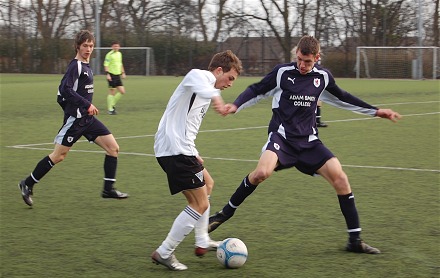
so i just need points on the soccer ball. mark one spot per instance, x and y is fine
(232, 253)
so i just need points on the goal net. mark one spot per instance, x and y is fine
(136, 60)
(397, 62)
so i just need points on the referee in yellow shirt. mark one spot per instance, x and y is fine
(114, 69)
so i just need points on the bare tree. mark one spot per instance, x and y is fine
(19, 24)
(38, 30)
(383, 22)
(144, 15)
(52, 19)
(212, 23)
(279, 20)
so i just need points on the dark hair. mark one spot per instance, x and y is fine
(83, 36)
(308, 45)
(227, 60)
(115, 42)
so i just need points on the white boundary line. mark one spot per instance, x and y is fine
(33, 146)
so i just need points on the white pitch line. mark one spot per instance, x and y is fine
(220, 130)
(255, 160)
(391, 168)
(404, 103)
(376, 118)
(349, 166)
(33, 146)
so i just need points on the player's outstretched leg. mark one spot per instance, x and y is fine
(216, 220)
(243, 191)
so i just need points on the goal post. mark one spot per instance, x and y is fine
(400, 62)
(136, 60)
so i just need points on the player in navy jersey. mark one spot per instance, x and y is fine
(75, 98)
(176, 153)
(293, 135)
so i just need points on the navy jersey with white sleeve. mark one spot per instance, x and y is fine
(75, 92)
(295, 98)
(184, 113)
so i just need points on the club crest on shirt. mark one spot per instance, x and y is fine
(317, 82)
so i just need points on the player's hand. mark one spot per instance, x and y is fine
(230, 108)
(388, 114)
(92, 110)
(123, 75)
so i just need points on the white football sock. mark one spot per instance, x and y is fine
(182, 226)
(201, 230)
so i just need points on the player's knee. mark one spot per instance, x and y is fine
(259, 175)
(200, 206)
(113, 150)
(57, 158)
(340, 183)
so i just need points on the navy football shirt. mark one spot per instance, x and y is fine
(75, 92)
(295, 98)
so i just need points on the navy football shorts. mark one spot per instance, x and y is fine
(307, 159)
(183, 172)
(73, 128)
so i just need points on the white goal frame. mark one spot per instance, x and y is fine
(415, 63)
(149, 57)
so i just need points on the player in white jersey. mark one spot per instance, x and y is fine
(176, 152)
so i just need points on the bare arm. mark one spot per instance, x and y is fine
(388, 114)
(219, 105)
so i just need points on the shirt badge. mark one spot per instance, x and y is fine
(317, 82)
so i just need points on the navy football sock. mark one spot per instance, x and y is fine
(110, 165)
(348, 209)
(318, 114)
(243, 191)
(42, 168)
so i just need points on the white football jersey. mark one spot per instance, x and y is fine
(184, 113)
